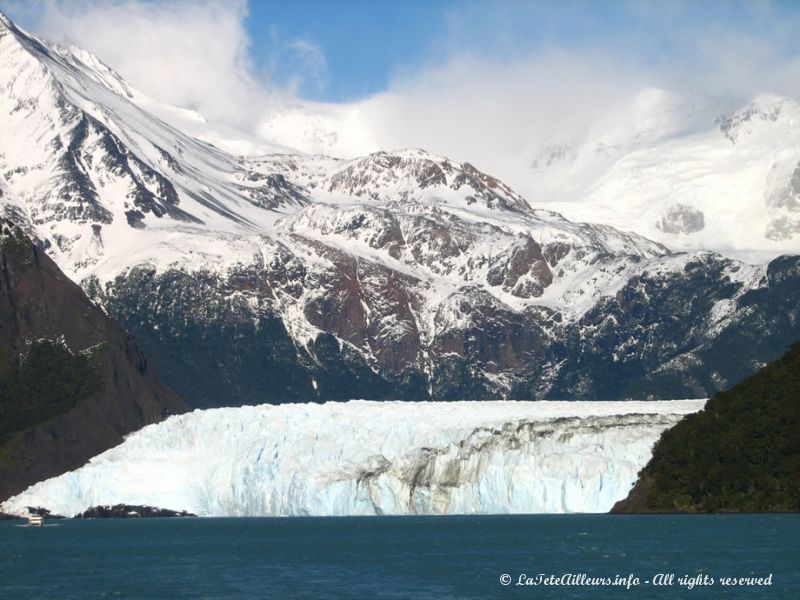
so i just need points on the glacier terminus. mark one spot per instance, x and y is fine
(373, 458)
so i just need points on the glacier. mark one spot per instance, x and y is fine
(373, 458)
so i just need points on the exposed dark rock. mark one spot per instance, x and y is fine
(72, 382)
(655, 338)
(733, 125)
(523, 271)
(681, 218)
(130, 511)
(275, 191)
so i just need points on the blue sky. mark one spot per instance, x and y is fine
(345, 50)
(366, 43)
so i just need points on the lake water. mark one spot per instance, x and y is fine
(402, 557)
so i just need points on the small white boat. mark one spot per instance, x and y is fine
(35, 520)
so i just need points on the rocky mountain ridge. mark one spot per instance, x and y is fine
(395, 275)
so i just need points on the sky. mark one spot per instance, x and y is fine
(349, 50)
(367, 43)
(485, 81)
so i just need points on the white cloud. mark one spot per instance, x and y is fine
(187, 53)
(493, 112)
(302, 63)
(499, 113)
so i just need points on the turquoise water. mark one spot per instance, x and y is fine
(398, 557)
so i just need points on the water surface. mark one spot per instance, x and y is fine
(398, 557)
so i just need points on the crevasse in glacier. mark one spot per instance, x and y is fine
(366, 458)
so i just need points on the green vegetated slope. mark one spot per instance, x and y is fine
(50, 380)
(740, 454)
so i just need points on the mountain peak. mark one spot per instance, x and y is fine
(767, 101)
(412, 173)
(765, 108)
(44, 53)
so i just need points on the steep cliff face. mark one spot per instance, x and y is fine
(741, 454)
(689, 332)
(72, 382)
(684, 326)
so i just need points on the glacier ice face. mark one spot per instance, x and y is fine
(367, 458)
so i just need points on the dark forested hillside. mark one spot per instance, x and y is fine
(741, 454)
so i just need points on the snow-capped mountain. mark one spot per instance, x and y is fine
(687, 173)
(393, 275)
(368, 458)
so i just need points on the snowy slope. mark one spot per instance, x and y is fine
(366, 458)
(98, 173)
(689, 174)
(107, 185)
(689, 171)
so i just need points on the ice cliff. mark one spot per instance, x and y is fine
(366, 458)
